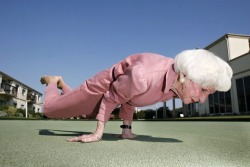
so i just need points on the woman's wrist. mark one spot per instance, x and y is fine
(99, 129)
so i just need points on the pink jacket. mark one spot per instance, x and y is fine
(139, 80)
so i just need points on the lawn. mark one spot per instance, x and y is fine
(43, 143)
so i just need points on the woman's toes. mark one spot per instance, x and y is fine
(49, 79)
(60, 83)
(44, 79)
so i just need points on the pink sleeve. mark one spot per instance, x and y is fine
(131, 83)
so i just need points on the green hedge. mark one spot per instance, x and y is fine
(17, 112)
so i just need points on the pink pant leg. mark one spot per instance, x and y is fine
(74, 103)
(66, 89)
(85, 100)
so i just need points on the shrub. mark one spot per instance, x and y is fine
(141, 114)
(3, 108)
(11, 111)
(38, 115)
(21, 111)
(19, 115)
(31, 113)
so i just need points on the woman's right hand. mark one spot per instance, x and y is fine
(86, 138)
(96, 136)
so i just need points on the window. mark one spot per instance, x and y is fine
(211, 104)
(243, 93)
(193, 109)
(2, 103)
(220, 103)
(23, 92)
(216, 103)
(247, 92)
(228, 102)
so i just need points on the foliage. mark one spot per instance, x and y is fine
(160, 113)
(33, 114)
(149, 114)
(18, 112)
(3, 108)
(11, 111)
(39, 115)
(115, 112)
(135, 116)
(140, 114)
(146, 114)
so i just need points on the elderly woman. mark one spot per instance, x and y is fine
(139, 80)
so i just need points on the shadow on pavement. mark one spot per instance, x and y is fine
(107, 136)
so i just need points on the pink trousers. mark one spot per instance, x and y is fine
(85, 100)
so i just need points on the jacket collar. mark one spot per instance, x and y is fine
(169, 79)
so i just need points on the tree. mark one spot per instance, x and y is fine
(160, 113)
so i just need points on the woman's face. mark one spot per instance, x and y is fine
(192, 92)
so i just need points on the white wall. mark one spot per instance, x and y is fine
(220, 49)
(237, 46)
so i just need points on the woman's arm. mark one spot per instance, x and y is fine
(131, 83)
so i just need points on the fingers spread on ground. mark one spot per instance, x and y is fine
(74, 139)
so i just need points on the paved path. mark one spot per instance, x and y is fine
(173, 144)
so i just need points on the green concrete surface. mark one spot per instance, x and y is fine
(40, 143)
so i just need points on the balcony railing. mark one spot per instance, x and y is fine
(7, 89)
(31, 98)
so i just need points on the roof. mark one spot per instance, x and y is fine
(225, 36)
(13, 79)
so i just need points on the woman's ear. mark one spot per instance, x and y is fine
(182, 79)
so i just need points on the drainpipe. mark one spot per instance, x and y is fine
(26, 108)
(228, 50)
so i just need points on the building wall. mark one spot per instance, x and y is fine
(21, 98)
(240, 64)
(237, 46)
(220, 49)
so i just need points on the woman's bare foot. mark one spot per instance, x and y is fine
(60, 83)
(53, 79)
(127, 134)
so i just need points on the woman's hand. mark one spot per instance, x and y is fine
(96, 136)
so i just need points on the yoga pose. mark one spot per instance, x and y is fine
(139, 80)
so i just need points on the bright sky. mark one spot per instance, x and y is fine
(78, 38)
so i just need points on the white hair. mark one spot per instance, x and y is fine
(204, 68)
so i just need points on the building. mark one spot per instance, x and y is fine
(17, 94)
(234, 49)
